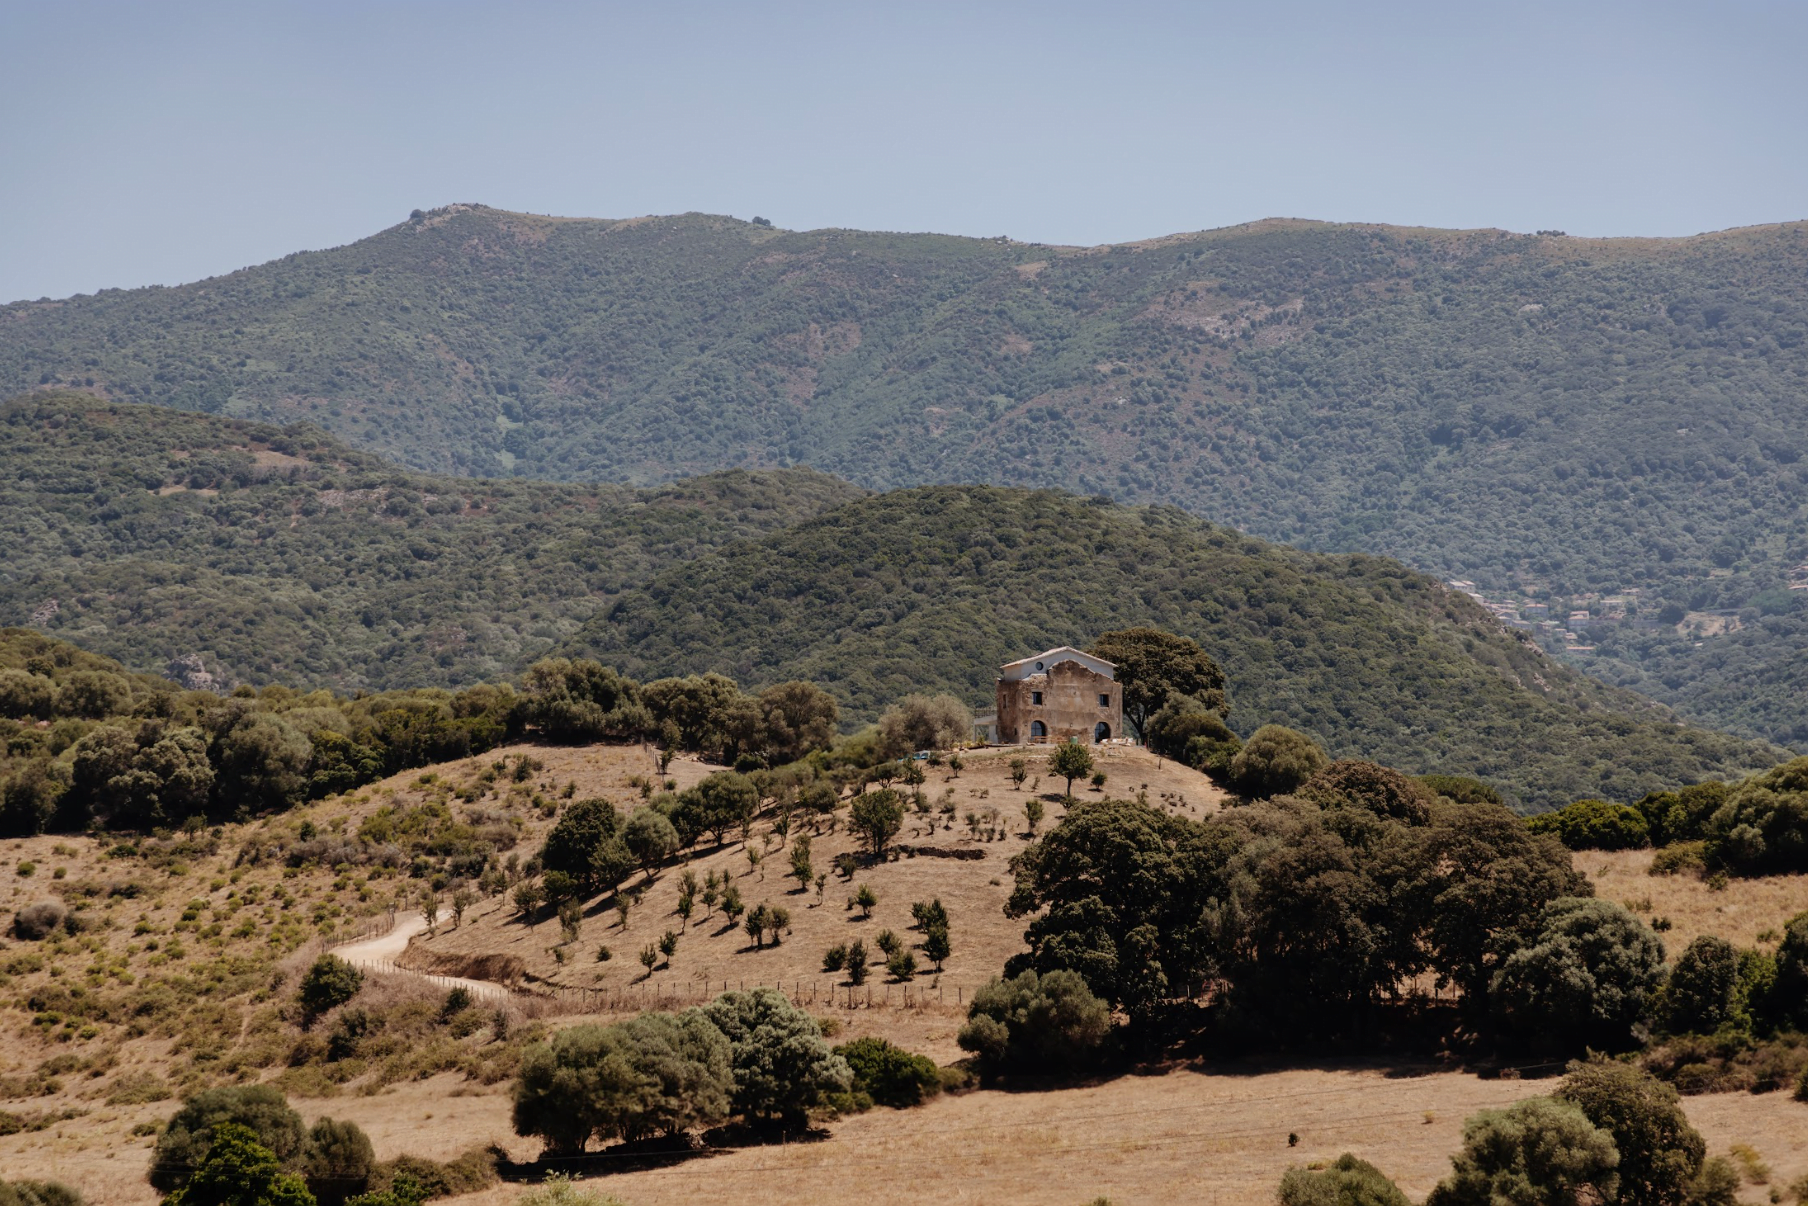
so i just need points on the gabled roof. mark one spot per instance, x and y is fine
(1026, 667)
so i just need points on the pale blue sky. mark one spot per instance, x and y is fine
(159, 143)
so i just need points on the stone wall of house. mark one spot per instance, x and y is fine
(1070, 706)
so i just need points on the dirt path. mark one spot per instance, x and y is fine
(379, 954)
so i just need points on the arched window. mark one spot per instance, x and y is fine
(1038, 729)
(1101, 731)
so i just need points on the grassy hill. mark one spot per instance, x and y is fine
(281, 555)
(1560, 416)
(936, 587)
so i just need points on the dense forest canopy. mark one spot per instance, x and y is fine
(224, 551)
(934, 588)
(260, 554)
(1538, 414)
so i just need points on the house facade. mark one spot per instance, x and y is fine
(1057, 695)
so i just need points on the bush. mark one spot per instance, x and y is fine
(35, 922)
(558, 1190)
(902, 965)
(1703, 991)
(1050, 1022)
(1660, 1153)
(1537, 1151)
(1347, 1182)
(890, 1075)
(339, 1161)
(239, 1171)
(782, 1064)
(1595, 825)
(1275, 761)
(329, 982)
(835, 958)
(189, 1135)
(658, 1073)
(39, 1193)
(1586, 978)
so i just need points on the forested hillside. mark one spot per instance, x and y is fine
(259, 554)
(938, 586)
(194, 545)
(1540, 414)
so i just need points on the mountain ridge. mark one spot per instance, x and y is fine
(1556, 419)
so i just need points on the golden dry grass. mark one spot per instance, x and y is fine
(711, 954)
(1738, 912)
(1185, 1136)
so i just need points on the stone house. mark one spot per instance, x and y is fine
(1060, 694)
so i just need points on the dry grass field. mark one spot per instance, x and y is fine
(1740, 912)
(196, 914)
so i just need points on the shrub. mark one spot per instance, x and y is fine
(1704, 986)
(39, 1193)
(890, 1075)
(1717, 1184)
(1660, 1153)
(339, 1161)
(1680, 857)
(1275, 761)
(35, 922)
(856, 962)
(558, 1190)
(782, 1064)
(1595, 825)
(902, 965)
(658, 1073)
(190, 1133)
(1347, 1182)
(1050, 1022)
(1537, 1151)
(329, 982)
(239, 1171)
(1587, 977)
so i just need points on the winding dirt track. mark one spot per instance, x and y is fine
(379, 954)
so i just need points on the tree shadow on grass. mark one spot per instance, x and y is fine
(661, 1152)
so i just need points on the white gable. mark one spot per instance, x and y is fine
(1039, 664)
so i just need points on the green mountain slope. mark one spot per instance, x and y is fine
(280, 555)
(1542, 414)
(936, 587)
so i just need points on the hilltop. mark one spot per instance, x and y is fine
(194, 545)
(1545, 416)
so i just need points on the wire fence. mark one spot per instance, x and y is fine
(633, 998)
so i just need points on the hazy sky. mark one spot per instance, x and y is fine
(146, 143)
